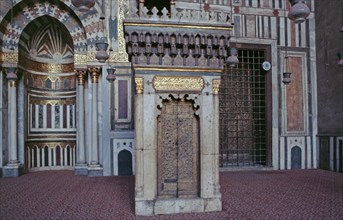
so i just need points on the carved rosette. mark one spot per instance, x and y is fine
(216, 86)
(139, 85)
(94, 73)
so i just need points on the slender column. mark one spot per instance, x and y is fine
(81, 167)
(94, 73)
(12, 168)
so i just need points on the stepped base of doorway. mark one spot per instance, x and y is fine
(81, 170)
(95, 170)
(12, 170)
(174, 206)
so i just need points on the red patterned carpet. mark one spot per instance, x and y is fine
(301, 194)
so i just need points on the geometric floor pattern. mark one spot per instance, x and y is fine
(295, 194)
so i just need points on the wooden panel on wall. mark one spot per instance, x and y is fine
(294, 97)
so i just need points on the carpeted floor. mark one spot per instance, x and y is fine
(301, 194)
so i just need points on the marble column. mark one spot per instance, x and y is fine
(94, 168)
(81, 166)
(13, 165)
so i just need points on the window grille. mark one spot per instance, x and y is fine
(243, 112)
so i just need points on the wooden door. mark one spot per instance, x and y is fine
(178, 150)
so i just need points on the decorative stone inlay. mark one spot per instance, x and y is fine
(139, 85)
(178, 83)
(216, 86)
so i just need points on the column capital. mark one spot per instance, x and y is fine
(139, 85)
(94, 73)
(11, 75)
(80, 74)
(216, 86)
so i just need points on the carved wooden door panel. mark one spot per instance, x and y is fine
(178, 150)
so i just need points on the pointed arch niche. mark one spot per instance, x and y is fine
(48, 114)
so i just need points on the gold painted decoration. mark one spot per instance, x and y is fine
(53, 102)
(118, 57)
(9, 57)
(81, 73)
(114, 57)
(215, 86)
(139, 85)
(48, 67)
(80, 59)
(94, 72)
(178, 83)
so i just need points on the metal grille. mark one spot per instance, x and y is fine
(243, 112)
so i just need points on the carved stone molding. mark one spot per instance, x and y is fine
(178, 83)
(165, 41)
(169, 96)
(139, 85)
(179, 15)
